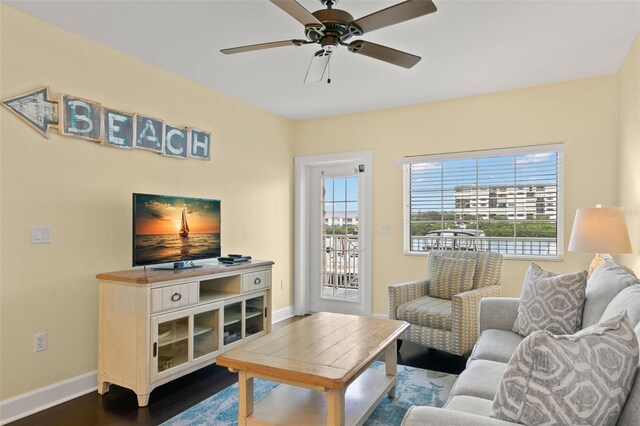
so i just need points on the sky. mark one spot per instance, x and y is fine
(341, 194)
(427, 178)
(158, 214)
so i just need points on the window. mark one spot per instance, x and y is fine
(506, 201)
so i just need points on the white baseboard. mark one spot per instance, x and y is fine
(40, 399)
(282, 314)
(384, 316)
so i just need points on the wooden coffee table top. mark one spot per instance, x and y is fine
(325, 349)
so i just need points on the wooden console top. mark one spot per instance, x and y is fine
(149, 275)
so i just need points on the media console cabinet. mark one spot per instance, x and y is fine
(158, 325)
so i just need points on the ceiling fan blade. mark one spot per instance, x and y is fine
(383, 53)
(395, 14)
(317, 66)
(261, 46)
(297, 11)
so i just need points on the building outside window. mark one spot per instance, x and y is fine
(506, 201)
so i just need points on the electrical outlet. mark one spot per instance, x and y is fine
(41, 342)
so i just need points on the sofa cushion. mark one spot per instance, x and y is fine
(426, 311)
(550, 302)
(451, 276)
(480, 379)
(628, 300)
(496, 345)
(631, 411)
(432, 416)
(573, 379)
(606, 281)
(470, 404)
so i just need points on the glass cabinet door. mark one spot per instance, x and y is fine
(205, 333)
(254, 315)
(173, 343)
(232, 331)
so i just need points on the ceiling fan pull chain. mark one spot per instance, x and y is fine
(329, 77)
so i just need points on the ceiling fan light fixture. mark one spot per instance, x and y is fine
(329, 43)
(317, 66)
(333, 27)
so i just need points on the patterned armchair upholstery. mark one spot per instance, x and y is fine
(447, 325)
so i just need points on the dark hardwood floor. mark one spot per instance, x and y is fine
(120, 407)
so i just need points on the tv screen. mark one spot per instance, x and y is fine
(174, 229)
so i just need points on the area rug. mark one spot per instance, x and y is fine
(415, 387)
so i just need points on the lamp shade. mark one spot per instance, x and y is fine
(600, 230)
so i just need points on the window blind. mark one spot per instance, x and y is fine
(506, 201)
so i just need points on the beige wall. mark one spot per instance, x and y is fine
(582, 114)
(83, 191)
(629, 152)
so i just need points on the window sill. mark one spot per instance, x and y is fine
(558, 258)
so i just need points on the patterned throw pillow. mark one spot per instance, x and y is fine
(583, 379)
(451, 276)
(551, 302)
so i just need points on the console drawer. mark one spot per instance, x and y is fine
(256, 281)
(173, 297)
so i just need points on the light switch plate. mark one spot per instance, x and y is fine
(384, 230)
(41, 234)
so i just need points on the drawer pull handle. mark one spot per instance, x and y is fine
(175, 297)
(257, 281)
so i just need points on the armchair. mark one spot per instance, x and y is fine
(447, 325)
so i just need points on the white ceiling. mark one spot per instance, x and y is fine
(467, 47)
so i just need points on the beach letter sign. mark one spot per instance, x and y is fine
(80, 118)
(118, 128)
(89, 120)
(149, 133)
(176, 142)
(199, 144)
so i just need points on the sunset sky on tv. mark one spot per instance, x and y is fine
(156, 214)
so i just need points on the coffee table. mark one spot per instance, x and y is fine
(323, 364)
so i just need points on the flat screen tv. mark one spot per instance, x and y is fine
(174, 229)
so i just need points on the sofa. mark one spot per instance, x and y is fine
(471, 399)
(449, 325)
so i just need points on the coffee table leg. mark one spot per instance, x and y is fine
(335, 407)
(391, 364)
(245, 397)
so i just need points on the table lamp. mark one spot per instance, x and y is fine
(599, 230)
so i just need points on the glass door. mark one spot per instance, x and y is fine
(182, 338)
(172, 343)
(206, 331)
(232, 331)
(335, 253)
(254, 315)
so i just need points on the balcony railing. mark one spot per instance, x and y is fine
(527, 246)
(340, 261)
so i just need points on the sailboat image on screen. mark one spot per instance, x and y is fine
(169, 229)
(184, 226)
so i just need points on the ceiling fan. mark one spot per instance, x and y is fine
(331, 28)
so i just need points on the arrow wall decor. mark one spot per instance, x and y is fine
(36, 109)
(82, 118)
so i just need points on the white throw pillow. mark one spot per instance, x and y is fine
(551, 302)
(580, 379)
